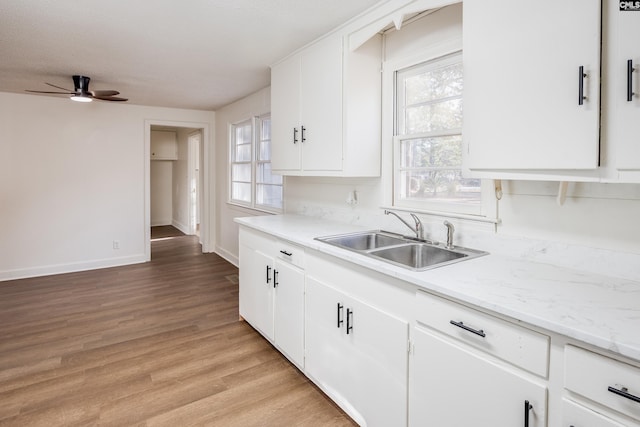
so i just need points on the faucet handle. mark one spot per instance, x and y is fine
(450, 230)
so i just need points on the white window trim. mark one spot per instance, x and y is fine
(253, 206)
(489, 205)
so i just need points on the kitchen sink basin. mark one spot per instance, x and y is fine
(417, 256)
(364, 241)
(400, 250)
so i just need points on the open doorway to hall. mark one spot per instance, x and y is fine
(175, 182)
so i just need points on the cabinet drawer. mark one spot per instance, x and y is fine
(580, 416)
(291, 253)
(512, 343)
(256, 240)
(598, 378)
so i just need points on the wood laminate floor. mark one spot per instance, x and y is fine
(154, 344)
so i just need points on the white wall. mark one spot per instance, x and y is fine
(161, 192)
(180, 180)
(256, 104)
(72, 180)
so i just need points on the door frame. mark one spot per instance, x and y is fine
(207, 237)
(194, 161)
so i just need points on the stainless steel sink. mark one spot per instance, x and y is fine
(417, 256)
(401, 250)
(364, 241)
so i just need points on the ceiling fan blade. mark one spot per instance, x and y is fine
(42, 91)
(110, 98)
(104, 92)
(58, 87)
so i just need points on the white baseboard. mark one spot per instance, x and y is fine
(233, 259)
(70, 268)
(180, 226)
(158, 223)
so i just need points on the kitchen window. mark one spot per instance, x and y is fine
(251, 183)
(428, 139)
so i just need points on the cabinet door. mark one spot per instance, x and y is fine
(450, 387)
(285, 115)
(521, 84)
(364, 371)
(624, 117)
(288, 313)
(164, 145)
(321, 105)
(574, 415)
(256, 295)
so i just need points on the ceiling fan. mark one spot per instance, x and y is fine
(82, 93)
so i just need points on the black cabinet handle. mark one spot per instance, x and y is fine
(295, 135)
(624, 392)
(268, 270)
(581, 76)
(340, 321)
(275, 277)
(286, 253)
(303, 131)
(527, 407)
(466, 328)
(349, 320)
(630, 71)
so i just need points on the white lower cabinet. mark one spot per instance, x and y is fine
(272, 291)
(357, 354)
(451, 386)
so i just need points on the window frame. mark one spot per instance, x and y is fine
(255, 123)
(487, 211)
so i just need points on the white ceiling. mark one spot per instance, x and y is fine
(198, 54)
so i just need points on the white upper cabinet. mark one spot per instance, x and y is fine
(522, 81)
(621, 90)
(325, 109)
(164, 145)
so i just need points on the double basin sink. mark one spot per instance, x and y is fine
(400, 250)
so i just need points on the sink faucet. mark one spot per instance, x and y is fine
(418, 229)
(450, 230)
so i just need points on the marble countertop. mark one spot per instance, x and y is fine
(598, 310)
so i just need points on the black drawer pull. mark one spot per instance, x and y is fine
(295, 135)
(268, 278)
(527, 407)
(283, 252)
(466, 328)
(340, 321)
(624, 392)
(275, 277)
(630, 71)
(349, 320)
(581, 77)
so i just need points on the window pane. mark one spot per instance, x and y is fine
(264, 150)
(243, 153)
(241, 191)
(264, 175)
(443, 82)
(444, 151)
(433, 117)
(269, 195)
(241, 172)
(445, 185)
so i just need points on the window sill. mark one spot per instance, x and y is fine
(251, 209)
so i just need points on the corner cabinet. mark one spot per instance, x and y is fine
(325, 110)
(532, 86)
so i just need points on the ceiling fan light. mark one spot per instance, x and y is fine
(81, 98)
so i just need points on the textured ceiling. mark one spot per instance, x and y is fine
(198, 54)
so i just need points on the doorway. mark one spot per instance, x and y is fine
(176, 180)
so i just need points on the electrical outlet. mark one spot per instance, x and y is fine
(116, 244)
